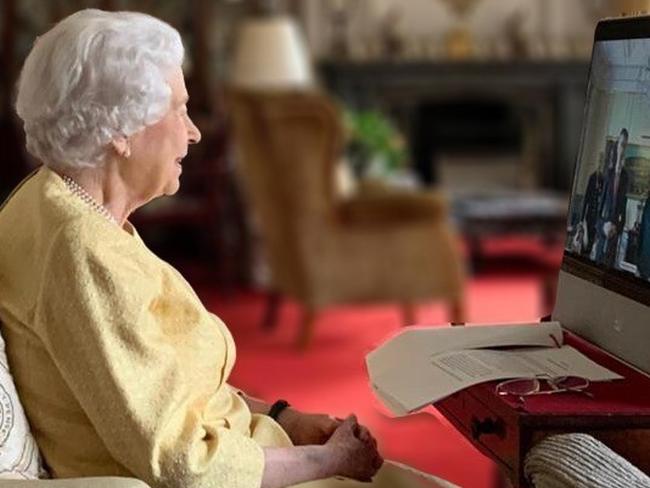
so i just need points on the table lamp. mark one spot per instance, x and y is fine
(271, 54)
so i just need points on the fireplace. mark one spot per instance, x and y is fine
(467, 144)
(487, 124)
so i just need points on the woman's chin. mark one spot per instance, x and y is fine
(172, 187)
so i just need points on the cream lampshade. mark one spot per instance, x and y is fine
(270, 53)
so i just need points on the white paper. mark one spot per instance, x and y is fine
(408, 375)
(416, 343)
(486, 364)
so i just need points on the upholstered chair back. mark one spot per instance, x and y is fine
(287, 144)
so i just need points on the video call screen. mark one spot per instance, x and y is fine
(609, 214)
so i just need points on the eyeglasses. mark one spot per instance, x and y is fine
(541, 385)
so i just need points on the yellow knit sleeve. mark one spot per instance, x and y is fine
(145, 363)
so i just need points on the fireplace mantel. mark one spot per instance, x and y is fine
(550, 93)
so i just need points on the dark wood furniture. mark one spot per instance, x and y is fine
(538, 214)
(504, 429)
(542, 214)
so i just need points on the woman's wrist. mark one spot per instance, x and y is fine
(326, 457)
(287, 419)
(277, 408)
(286, 466)
(330, 460)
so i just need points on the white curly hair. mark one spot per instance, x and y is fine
(91, 78)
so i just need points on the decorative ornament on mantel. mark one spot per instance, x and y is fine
(340, 13)
(599, 9)
(460, 7)
(459, 42)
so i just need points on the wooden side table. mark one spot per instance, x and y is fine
(504, 429)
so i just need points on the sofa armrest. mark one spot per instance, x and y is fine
(580, 461)
(99, 482)
(382, 205)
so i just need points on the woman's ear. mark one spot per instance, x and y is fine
(121, 146)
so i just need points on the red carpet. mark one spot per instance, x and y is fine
(330, 377)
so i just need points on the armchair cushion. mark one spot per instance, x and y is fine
(19, 454)
(385, 206)
(580, 461)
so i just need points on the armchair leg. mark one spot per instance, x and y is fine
(273, 304)
(457, 313)
(306, 331)
(409, 316)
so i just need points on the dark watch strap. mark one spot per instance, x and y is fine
(277, 408)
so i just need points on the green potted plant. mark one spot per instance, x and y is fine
(375, 146)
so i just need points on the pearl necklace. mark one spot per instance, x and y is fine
(79, 191)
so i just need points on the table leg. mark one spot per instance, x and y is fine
(501, 480)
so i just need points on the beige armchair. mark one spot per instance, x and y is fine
(382, 245)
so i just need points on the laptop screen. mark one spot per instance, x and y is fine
(608, 235)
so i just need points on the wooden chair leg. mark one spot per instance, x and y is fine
(273, 304)
(500, 479)
(409, 316)
(306, 331)
(457, 312)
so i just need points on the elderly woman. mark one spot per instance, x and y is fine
(121, 369)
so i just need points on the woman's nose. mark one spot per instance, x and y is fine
(193, 132)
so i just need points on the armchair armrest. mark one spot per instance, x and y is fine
(580, 461)
(99, 482)
(381, 205)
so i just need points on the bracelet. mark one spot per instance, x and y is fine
(277, 408)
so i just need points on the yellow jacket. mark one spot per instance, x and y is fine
(121, 369)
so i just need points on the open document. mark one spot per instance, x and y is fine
(423, 365)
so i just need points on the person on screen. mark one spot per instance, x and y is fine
(643, 245)
(588, 223)
(612, 205)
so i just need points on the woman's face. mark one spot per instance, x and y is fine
(154, 166)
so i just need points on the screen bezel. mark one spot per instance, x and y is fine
(618, 281)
